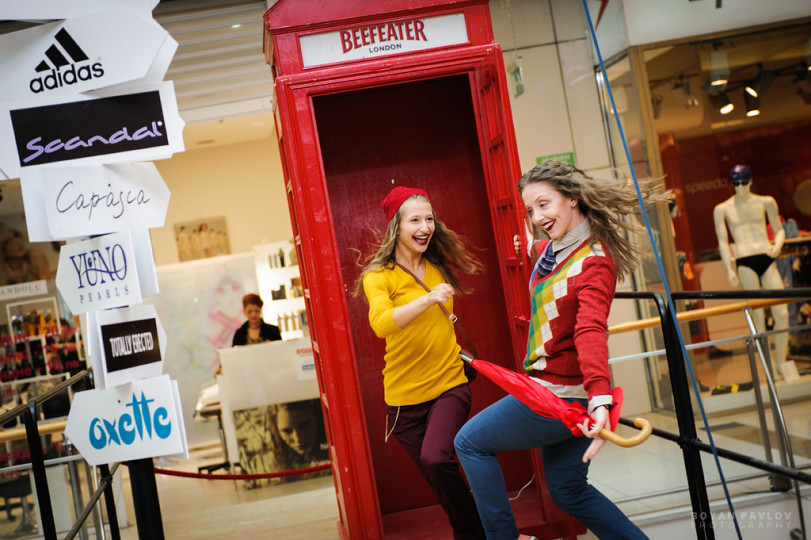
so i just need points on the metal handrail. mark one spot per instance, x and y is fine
(729, 454)
(33, 432)
(687, 438)
(693, 467)
(45, 396)
(693, 314)
(105, 484)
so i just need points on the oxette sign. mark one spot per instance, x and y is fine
(73, 56)
(383, 39)
(131, 421)
(139, 126)
(99, 273)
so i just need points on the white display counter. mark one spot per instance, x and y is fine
(263, 374)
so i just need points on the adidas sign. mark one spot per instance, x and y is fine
(61, 64)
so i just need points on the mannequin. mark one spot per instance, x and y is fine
(751, 262)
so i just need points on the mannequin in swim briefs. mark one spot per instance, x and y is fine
(751, 261)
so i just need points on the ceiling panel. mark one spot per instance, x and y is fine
(219, 70)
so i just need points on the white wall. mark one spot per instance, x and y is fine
(652, 22)
(242, 182)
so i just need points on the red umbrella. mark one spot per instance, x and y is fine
(545, 403)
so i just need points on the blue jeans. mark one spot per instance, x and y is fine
(510, 425)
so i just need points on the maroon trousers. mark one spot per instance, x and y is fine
(426, 431)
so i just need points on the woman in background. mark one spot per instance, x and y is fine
(255, 329)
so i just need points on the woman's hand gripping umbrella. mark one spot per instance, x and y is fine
(543, 402)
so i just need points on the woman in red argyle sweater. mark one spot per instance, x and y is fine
(571, 289)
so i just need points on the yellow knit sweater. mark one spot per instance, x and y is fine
(422, 359)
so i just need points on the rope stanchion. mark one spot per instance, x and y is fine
(206, 476)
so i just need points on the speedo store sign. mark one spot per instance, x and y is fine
(140, 126)
(73, 56)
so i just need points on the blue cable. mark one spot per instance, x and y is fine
(670, 305)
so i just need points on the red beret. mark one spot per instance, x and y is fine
(396, 197)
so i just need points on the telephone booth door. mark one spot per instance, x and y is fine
(350, 129)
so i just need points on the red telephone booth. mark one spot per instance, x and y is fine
(372, 94)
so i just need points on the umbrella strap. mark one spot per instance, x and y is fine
(388, 433)
(453, 318)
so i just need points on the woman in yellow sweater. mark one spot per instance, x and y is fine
(426, 392)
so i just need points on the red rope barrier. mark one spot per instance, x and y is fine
(208, 476)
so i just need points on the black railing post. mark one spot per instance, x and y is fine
(702, 518)
(109, 499)
(145, 499)
(38, 468)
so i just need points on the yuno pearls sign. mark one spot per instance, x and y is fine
(383, 39)
(99, 273)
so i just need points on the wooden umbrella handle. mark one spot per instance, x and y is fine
(626, 442)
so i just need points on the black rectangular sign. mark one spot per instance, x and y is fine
(130, 344)
(80, 129)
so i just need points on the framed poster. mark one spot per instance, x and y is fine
(202, 238)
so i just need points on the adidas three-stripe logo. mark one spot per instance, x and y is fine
(55, 55)
(60, 65)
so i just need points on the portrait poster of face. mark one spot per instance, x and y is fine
(281, 437)
(21, 261)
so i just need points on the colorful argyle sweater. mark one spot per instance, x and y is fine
(568, 341)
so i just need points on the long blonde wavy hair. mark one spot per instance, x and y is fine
(446, 250)
(604, 203)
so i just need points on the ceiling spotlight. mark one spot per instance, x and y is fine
(719, 68)
(761, 82)
(682, 92)
(722, 103)
(752, 104)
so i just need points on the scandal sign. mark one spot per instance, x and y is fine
(99, 273)
(130, 127)
(383, 39)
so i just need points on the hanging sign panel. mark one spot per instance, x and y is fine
(72, 56)
(99, 273)
(76, 201)
(145, 261)
(49, 10)
(133, 344)
(131, 421)
(383, 39)
(140, 126)
(22, 290)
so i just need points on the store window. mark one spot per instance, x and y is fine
(715, 102)
(622, 76)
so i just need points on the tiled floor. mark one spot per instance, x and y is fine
(647, 482)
